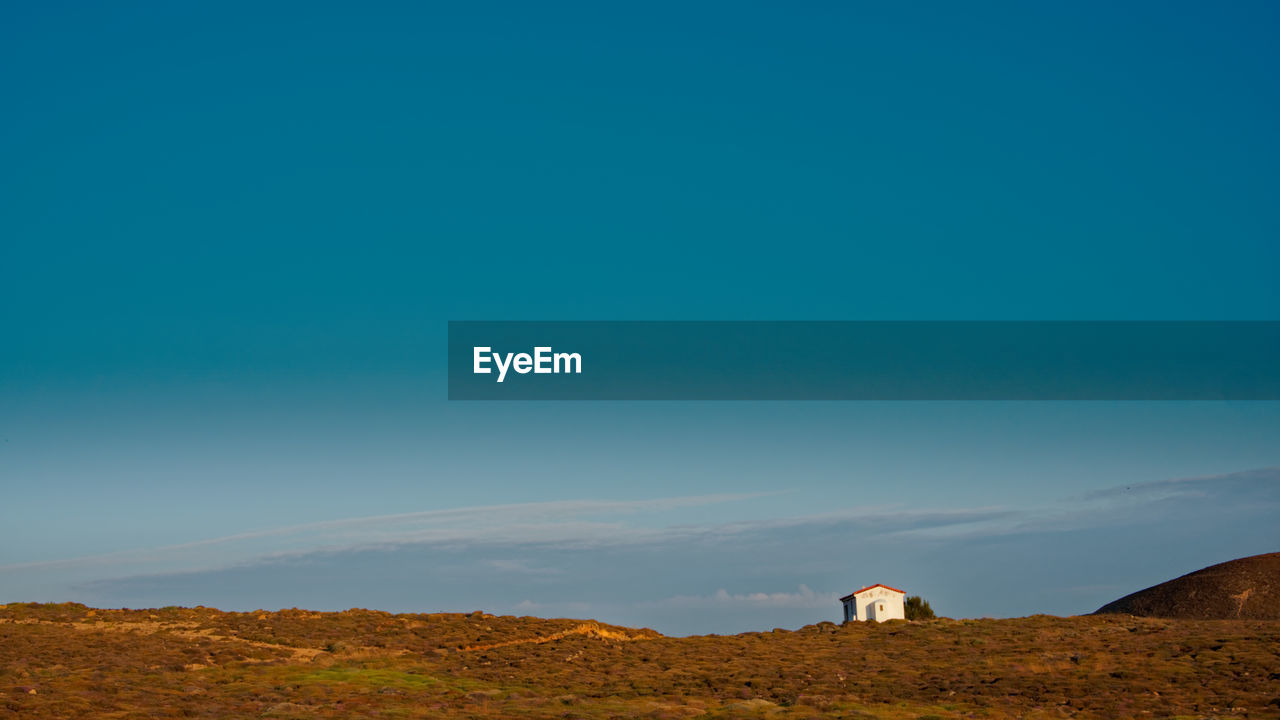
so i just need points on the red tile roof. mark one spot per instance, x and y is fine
(859, 592)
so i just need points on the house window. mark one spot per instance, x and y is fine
(882, 608)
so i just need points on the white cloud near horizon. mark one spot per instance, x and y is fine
(529, 606)
(804, 597)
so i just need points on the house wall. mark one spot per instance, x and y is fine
(869, 603)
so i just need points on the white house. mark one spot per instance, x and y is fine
(875, 602)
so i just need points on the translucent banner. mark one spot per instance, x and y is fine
(864, 360)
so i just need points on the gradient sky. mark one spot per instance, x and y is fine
(231, 237)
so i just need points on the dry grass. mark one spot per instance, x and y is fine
(60, 661)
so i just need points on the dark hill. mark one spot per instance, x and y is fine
(1248, 588)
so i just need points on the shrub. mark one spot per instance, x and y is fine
(917, 608)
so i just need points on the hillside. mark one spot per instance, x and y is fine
(65, 661)
(1248, 588)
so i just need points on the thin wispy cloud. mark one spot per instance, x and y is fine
(1185, 486)
(585, 523)
(521, 568)
(530, 522)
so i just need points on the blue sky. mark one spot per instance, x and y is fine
(231, 237)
